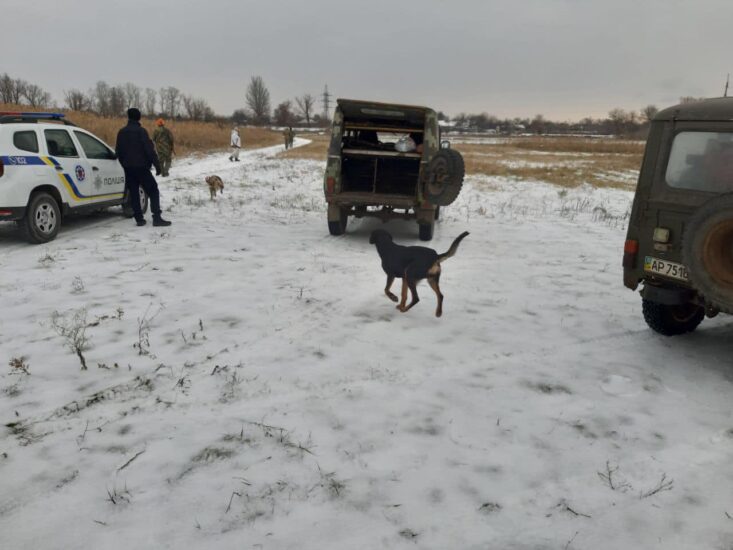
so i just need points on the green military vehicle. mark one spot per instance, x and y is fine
(680, 237)
(387, 160)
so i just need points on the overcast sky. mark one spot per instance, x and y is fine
(566, 59)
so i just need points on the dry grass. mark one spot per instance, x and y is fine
(317, 149)
(191, 137)
(565, 161)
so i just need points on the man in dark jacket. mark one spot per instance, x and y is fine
(136, 154)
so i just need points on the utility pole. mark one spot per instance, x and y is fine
(326, 102)
(727, 81)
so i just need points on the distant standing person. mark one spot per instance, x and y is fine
(286, 136)
(236, 145)
(164, 144)
(136, 154)
(291, 136)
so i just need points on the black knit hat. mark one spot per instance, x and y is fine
(133, 113)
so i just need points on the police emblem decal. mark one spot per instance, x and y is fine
(80, 173)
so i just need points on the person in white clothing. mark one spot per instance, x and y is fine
(236, 145)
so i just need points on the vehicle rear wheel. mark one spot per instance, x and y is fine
(707, 249)
(42, 219)
(127, 209)
(338, 227)
(426, 231)
(672, 320)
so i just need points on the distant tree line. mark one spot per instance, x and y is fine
(20, 92)
(619, 122)
(114, 100)
(110, 100)
(297, 112)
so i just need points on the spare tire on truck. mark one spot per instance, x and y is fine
(707, 250)
(444, 177)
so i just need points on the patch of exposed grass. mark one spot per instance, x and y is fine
(317, 149)
(567, 161)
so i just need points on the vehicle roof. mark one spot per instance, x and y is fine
(360, 109)
(42, 125)
(716, 109)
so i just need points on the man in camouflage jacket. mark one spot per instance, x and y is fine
(164, 145)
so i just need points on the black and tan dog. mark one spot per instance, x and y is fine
(215, 184)
(411, 264)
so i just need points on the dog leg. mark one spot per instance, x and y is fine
(401, 305)
(433, 282)
(390, 280)
(412, 285)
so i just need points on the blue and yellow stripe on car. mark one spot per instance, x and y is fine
(64, 178)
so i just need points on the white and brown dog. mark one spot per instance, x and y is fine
(215, 184)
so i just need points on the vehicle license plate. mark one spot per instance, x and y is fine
(666, 268)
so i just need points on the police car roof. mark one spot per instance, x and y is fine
(8, 117)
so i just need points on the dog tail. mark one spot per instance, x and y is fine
(453, 247)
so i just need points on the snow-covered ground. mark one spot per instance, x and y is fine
(250, 386)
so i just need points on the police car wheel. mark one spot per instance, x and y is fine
(42, 219)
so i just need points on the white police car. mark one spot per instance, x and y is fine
(49, 168)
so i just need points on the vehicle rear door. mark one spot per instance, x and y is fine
(107, 176)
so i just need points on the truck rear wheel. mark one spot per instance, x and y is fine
(426, 231)
(672, 320)
(42, 219)
(338, 226)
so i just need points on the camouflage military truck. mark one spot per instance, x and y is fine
(388, 161)
(679, 243)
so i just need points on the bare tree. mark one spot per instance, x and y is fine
(538, 124)
(117, 101)
(258, 100)
(101, 98)
(18, 91)
(151, 98)
(617, 118)
(283, 114)
(133, 95)
(36, 96)
(691, 99)
(170, 101)
(76, 100)
(197, 108)
(305, 107)
(649, 112)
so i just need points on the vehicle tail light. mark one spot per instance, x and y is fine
(631, 249)
(330, 184)
(2, 168)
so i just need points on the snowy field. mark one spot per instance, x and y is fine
(248, 384)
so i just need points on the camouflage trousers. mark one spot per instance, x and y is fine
(165, 164)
